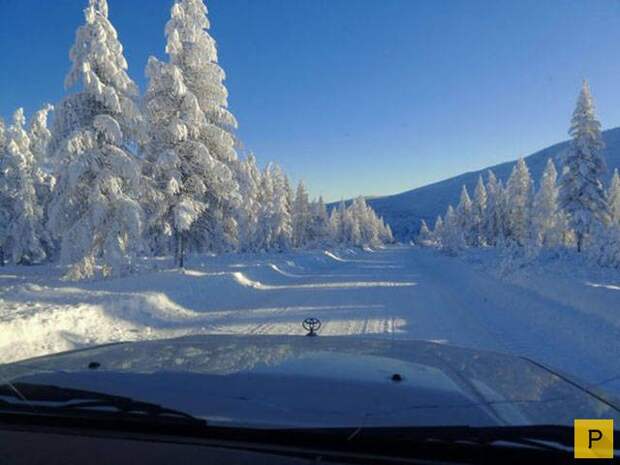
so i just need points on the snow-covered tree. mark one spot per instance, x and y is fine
(351, 226)
(42, 169)
(336, 222)
(479, 207)
(581, 190)
(494, 224)
(357, 224)
(274, 227)
(319, 223)
(249, 214)
(613, 198)
(282, 221)
(438, 229)
(301, 216)
(40, 137)
(425, 237)
(464, 215)
(194, 52)
(519, 204)
(605, 246)
(177, 162)
(370, 226)
(22, 235)
(94, 209)
(452, 238)
(547, 224)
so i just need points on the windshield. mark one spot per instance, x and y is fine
(308, 214)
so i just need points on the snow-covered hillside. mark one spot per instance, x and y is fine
(565, 320)
(404, 211)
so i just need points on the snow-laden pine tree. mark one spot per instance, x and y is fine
(494, 225)
(249, 214)
(42, 169)
(452, 238)
(547, 224)
(94, 209)
(582, 195)
(23, 234)
(264, 239)
(388, 237)
(336, 222)
(192, 49)
(301, 216)
(438, 230)
(425, 237)
(478, 210)
(518, 204)
(282, 222)
(370, 226)
(613, 198)
(40, 137)
(351, 226)
(178, 163)
(319, 223)
(274, 228)
(464, 215)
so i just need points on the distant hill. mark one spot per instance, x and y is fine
(404, 211)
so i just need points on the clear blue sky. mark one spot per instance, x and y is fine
(360, 96)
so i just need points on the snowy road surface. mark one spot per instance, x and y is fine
(398, 292)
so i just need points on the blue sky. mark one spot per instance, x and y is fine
(359, 96)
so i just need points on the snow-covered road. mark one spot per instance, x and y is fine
(398, 292)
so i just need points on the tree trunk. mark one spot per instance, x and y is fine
(175, 247)
(181, 250)
(579, 242)
(1, 256)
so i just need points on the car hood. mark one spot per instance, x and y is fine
(297, 381)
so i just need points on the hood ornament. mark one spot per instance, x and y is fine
(312, 325)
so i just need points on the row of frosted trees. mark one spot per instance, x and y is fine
(276, 218)
(121, 174)
(570, 210)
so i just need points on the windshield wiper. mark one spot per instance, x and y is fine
(50, 399)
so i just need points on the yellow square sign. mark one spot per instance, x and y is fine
(594, 439)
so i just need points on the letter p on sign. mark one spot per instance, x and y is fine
(594, 439)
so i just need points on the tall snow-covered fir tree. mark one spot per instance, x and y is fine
(581, 190)
(275, 229)
(479, 207)
(613, 198)
(547, 224)
(194, 52)
(438, 229)
(319, 223)
(42, 169)
(282, 222)
(424, 235)
(301, 216)
(94, 208)
(23, 233)
(519, 204)
(249, 213)
(494, 216)
(178, 163)
(40, 137)
(464, 215)
(452, 237)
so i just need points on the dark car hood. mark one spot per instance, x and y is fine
(301, 381)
